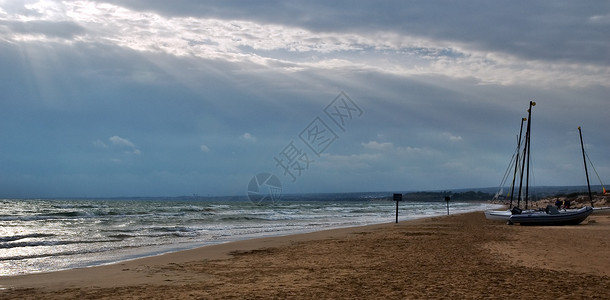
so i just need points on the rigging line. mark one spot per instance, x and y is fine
(517, 174)
(512, 185)
(506, 173)
(521, 177)
(591, 163)
(533, 194)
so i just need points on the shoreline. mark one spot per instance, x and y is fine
(124, 255)
(107, 234)
(395, 260)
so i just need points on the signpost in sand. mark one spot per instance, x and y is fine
(397, 197)
(447, 198)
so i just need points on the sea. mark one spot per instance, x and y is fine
(44, 235)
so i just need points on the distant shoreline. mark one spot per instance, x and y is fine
(541, 191)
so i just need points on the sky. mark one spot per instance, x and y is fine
(168, 98)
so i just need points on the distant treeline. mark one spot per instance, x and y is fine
(576, 194)
(440, 196)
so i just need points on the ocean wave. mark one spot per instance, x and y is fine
(66, 214)
(51, 255)
(242, 218)
(122, 236)
(47, 216)
(198, 209)
(173, 229)
(78, 206)
(10, 245)
(24, 236)
(177, 231)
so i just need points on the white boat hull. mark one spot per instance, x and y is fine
(498, 215)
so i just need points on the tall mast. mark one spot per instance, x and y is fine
(512, 191)
(526, 155)
(522, 168)
(529, 133)
(582, 146)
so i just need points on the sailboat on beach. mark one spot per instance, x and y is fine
(551, 215)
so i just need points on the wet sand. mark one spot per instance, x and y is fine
(454, 257)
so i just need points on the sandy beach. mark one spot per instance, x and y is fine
(453, 257)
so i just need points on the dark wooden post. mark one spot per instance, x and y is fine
(397, 197)
(447, 198)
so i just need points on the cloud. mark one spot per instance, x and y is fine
(117, 140)
(600, 19)
(373, 145)
(465, 51)
(451, 137)
(204, 148)
(100, 144)
(248, 137)
(525, 28)
(123, 142)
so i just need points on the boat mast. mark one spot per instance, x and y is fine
(529, 133)
(512, 191)
(582, 146)
(526, 155)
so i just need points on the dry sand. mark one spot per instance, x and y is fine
(455, 257)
